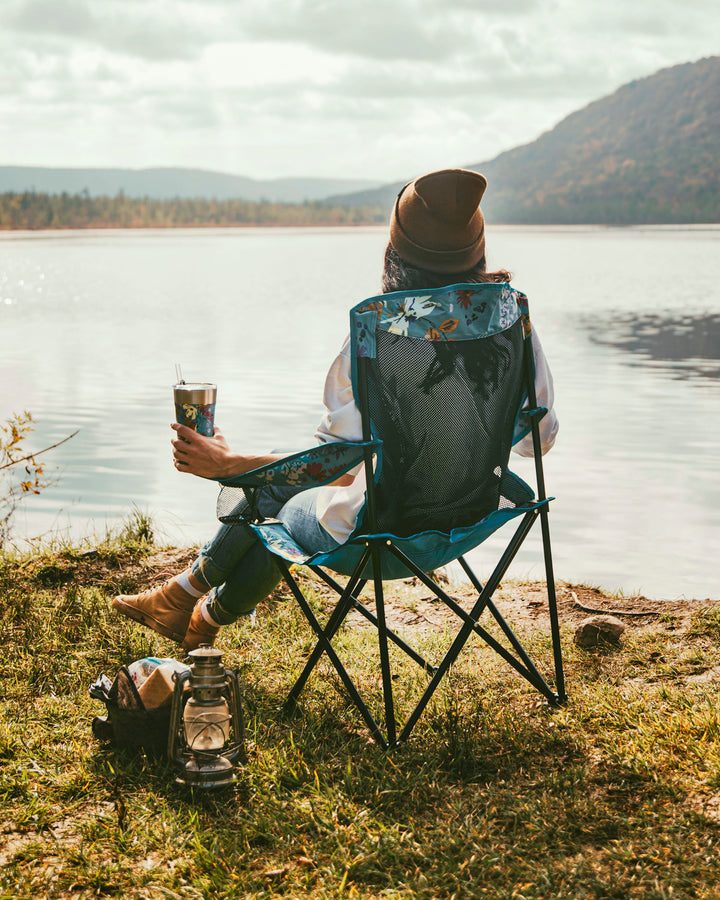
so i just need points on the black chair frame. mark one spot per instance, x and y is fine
(376, 546)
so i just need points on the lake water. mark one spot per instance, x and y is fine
(93, 323)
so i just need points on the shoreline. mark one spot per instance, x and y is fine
(355, 226)
(522, 600)
(586, 592)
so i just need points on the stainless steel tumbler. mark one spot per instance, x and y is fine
(195, 406)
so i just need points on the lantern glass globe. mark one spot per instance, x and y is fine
(207, 725)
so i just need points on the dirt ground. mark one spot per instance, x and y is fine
(525, 603)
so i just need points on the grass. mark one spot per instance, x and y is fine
(615, 795)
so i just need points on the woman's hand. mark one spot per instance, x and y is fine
(208, 457)
(211, 457)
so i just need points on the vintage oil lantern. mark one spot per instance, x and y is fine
(207, 730)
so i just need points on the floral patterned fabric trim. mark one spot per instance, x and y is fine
(310, 468)
(459, 312)
(524, 309)
(279, 541)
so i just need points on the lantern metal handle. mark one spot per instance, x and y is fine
(176, 710)
(236, 715)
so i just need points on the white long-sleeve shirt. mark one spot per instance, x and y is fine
(338, 507)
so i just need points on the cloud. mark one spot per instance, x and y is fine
(404, 29)
(393, 85)
(487, 8)
(620, 17)
(71, 18)
(377, 87)
(146, 31)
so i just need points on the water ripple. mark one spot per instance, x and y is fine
(683, 344)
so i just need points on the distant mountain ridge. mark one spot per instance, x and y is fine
(169, 183)
(648, 153)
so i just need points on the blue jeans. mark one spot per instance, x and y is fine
(238, 567)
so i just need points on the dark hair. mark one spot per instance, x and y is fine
(399, 275)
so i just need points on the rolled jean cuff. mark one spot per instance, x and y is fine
(222, 615)
(221, 554)
(207, 573)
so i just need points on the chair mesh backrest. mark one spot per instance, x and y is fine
(445, 411)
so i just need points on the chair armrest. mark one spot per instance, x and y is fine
(537, 413)
(524, 419)
(319, 465)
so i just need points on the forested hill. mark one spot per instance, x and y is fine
(31, 210)
(172, 183)
(649, 153)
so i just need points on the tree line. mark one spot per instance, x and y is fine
(31, 210)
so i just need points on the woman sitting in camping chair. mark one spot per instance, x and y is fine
(437, 238)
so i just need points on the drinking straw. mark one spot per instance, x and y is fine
(178, 374)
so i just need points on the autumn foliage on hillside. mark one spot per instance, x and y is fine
(646, 154)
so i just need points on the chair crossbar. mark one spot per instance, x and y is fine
(526, 668)
(333, 657)
(331, 626)
(367, 614)
(347, 600)
(532, 673)
(559, 696)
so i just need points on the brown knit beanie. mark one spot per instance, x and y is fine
(437, 223)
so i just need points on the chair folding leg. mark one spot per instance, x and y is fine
(470, 624)
(332, 655)
(552, 606)
(383, 646)
(530, 675)
(523, 666)
(517, 646)
(348, 600)
(560, 694)
(336, 619)
(530, 672)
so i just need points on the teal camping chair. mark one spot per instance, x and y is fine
(444, 381)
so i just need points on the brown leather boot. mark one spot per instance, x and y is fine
(199, 630)
(165, 609)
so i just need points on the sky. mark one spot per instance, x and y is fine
(376, 89)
